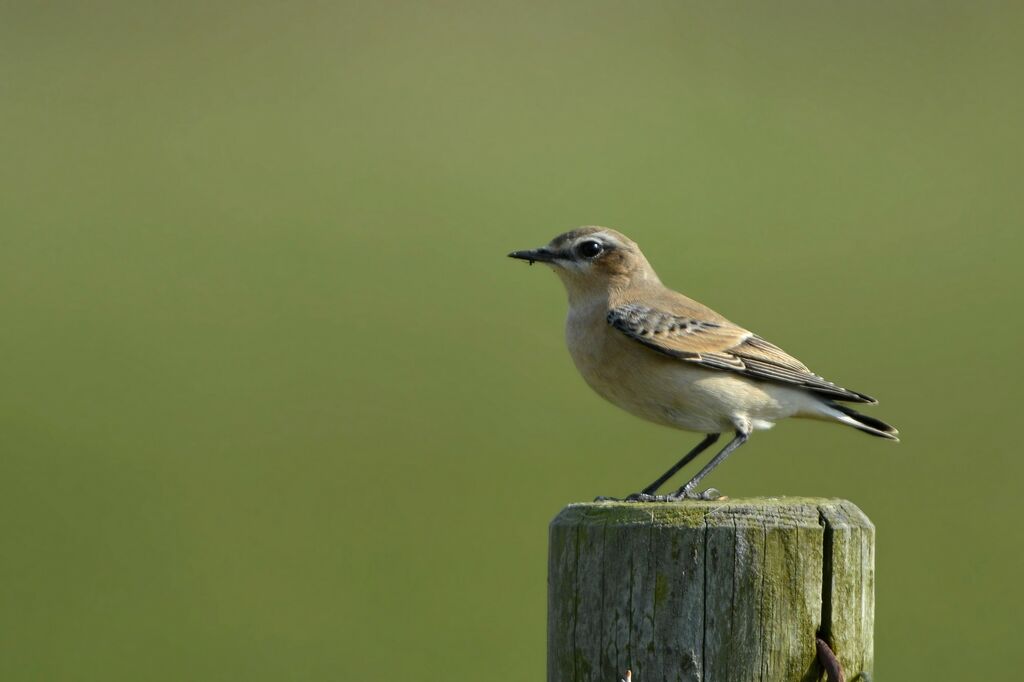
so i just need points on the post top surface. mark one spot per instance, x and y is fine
(775, 511)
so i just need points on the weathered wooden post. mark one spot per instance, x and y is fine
(712, 591)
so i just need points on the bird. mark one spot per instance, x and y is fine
(668, 359)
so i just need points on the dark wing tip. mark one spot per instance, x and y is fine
(857, 397)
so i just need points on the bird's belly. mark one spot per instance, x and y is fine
(673, 393)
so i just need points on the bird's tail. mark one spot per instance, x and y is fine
(862, 422)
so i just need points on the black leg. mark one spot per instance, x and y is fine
(708, 441)
(687, 490)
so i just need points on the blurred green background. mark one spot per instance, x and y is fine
(275, 406)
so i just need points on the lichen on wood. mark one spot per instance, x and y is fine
(723, 590)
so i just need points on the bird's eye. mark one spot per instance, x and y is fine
(589, 249)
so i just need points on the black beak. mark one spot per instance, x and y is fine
(541, 255)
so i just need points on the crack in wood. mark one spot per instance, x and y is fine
(726, 591)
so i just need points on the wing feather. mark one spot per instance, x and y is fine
(721, 345)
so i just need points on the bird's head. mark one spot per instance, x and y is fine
(592, 261)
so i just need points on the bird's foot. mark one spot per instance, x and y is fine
(646, 497)
(635, 497)
(677, 496)
(685, 493)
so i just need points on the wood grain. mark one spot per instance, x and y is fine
(714, 591)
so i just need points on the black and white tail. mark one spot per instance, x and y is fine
(862, 422)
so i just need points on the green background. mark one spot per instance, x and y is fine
(275, 406)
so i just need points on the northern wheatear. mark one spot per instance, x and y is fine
(671, 360)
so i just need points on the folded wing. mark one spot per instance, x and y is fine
(721, 345)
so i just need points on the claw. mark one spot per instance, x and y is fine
(712, 494)
(685, 494)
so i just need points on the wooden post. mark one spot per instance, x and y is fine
(711, 591)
